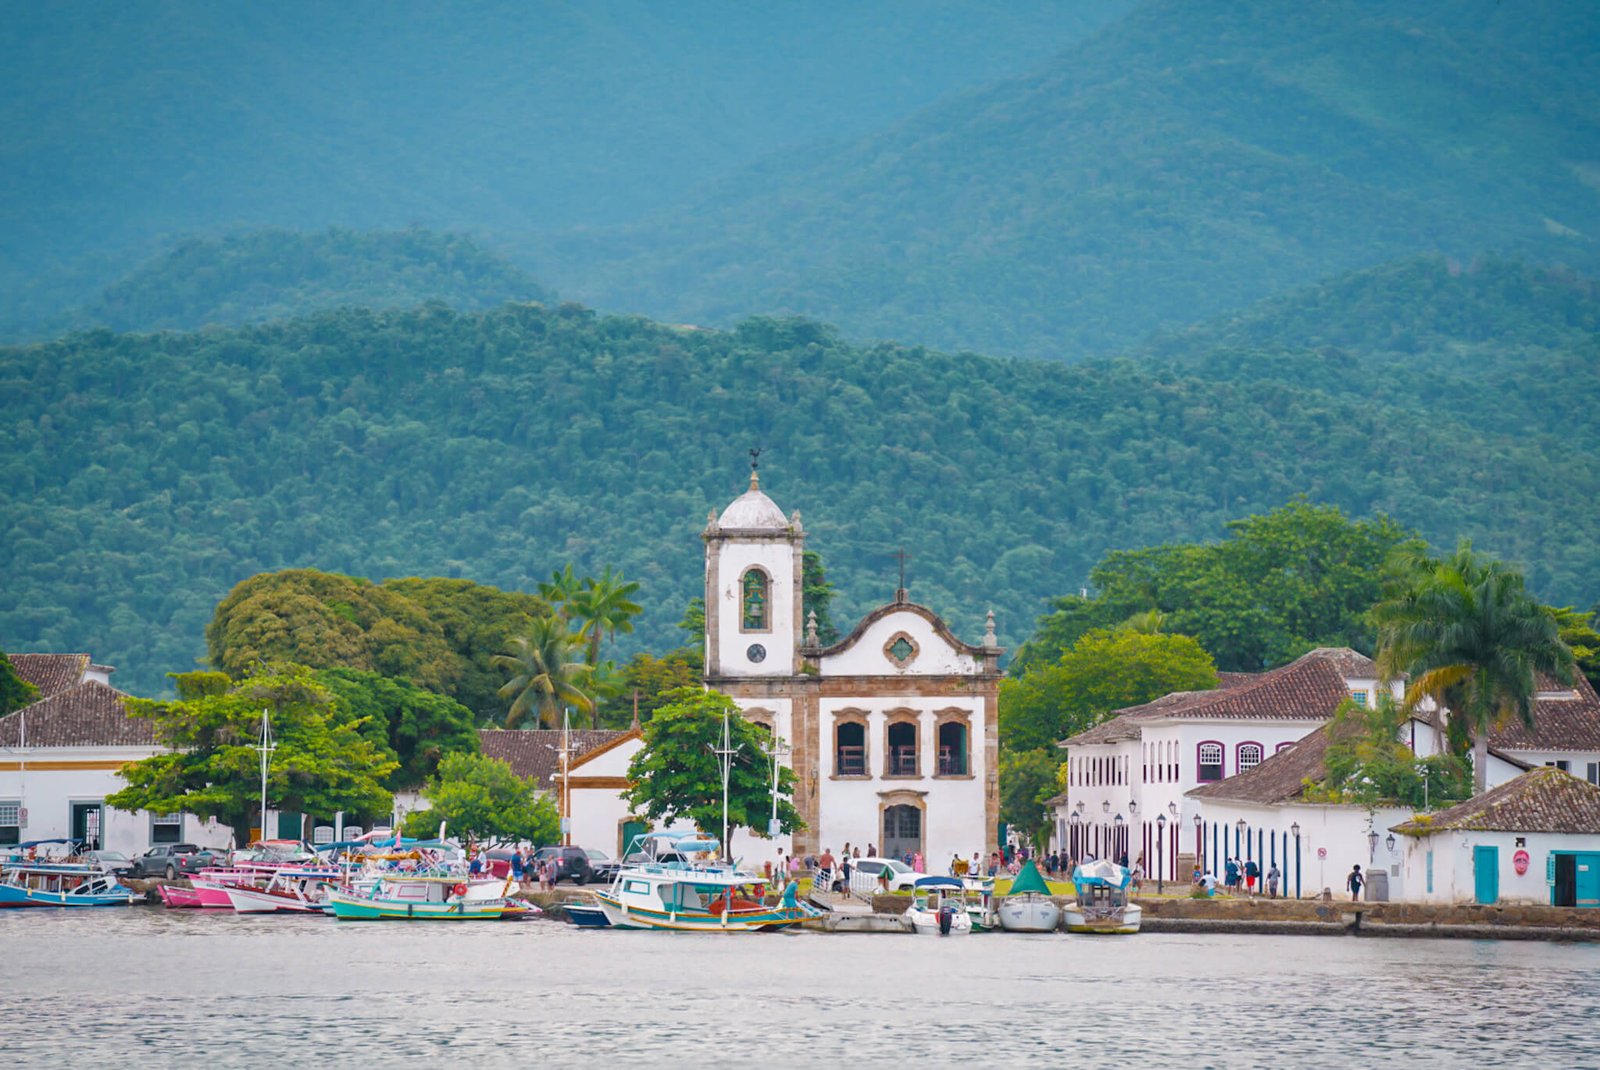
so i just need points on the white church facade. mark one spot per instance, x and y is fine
(893, 730)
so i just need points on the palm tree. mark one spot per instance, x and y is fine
(561, 590)
(1471, 637)
(546, 673)
(604, 607)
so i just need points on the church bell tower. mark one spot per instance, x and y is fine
(753, 588)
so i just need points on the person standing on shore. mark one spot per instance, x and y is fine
(1272, 881)
(1354, 883)
(1251, 873)
(1230, 876)
(844, 868)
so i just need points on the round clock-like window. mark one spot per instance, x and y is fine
(757, 652)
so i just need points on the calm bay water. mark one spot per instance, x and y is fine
(159, 987)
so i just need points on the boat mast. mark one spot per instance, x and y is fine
(725, 756)
(266, 747)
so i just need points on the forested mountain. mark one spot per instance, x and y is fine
(142, 476)
(262, 275)
(129, 125)
(1187, 160)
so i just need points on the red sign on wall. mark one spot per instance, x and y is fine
(1519, 862)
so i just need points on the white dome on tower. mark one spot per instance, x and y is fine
(753, 510)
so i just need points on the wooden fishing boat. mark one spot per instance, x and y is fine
(292, 890)
(1102, 904)
(412, 898)
(61, 884)
(681, 896)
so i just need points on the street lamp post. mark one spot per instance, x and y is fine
(775, 750)
(1199, 842)
(1295, 828)
(1161, 826)
(1077, 833)
(1116, 838)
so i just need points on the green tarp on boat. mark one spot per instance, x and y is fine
(1028, 879)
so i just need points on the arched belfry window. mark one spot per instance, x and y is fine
(757, 599)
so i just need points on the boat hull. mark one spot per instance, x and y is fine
(1030, 914)
(251, 901)
(927, 923)
(587, 916)
(768, 919)
(177, 898)
(351, 908)
(11, 896)
(1077, 920)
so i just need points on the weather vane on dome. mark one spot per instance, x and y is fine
(755, 458)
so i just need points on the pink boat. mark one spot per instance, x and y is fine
(211, 886)
(178, 898)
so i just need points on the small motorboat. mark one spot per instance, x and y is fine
(412, 898)
(939, 906)
(672, 893)
(1102, 904)
(586, 914)
(1028, 908)
(292, 890)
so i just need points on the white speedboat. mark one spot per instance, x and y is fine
(292, 890)
(939, 906)
(1102, 904)
(1028, 907)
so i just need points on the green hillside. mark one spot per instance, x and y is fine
(1188, 160)
(273, 274)
(142, 476)
(128, 125)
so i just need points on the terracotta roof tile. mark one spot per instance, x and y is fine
(1308, 688)
(536, 752)
(88, 715)
(1541, 800)
(1281, 776)
(50, 673)
(1568, 720)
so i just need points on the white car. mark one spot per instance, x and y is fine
(865, 874)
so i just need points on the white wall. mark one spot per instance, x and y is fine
(1332, 839)
(865, 657)
(954, 812)
(48, 795)
(1454, 880)
(777, 558)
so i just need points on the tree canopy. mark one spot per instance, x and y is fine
(15, 692)
(1105, 670)
(1369, 765)
(415, 727)
(676, 777)
(324, 762)
(480, 798)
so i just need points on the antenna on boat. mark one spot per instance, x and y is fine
(725, 757)
(266, 747)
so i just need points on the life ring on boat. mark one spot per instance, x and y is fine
(459, 889)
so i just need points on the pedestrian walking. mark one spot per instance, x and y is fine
(1354, 883)
(1273, 877)
(1251, 873)
(1230, 876)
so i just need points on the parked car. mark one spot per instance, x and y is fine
(171, 860)
(113, 862)
(602, 867)
(572, 863)
(865, 874)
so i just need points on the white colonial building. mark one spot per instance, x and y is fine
(893, 729)
(60, 757)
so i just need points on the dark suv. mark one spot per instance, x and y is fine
(572, 863)
(169, 860)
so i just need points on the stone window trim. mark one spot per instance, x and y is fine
(851, 715)
(902, 715)
(910, 656)
(905, 797)
(953, 715)
(766, 628)
(762, 716)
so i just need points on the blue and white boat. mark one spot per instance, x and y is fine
(675, 893)
(1102, 904)
(61, 884)
(939, 905)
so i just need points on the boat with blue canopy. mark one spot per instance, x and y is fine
(677, 890)
(1102, 904)
(939, 905)
(35, 882)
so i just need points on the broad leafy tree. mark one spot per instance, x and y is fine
(653, 680)
(1465, 631)
(323, 762)
(1104, 670)
(1027, 782)
(547, 673)
(676, 777)
(415, 727)
(480, 798)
